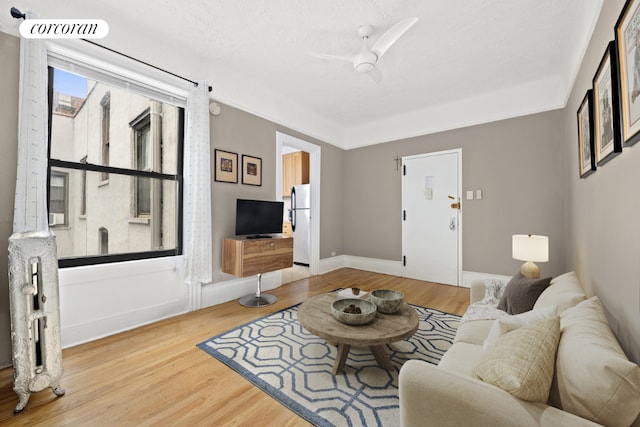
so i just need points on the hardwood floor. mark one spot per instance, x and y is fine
(155, 374)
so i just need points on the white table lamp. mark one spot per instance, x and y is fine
(530, 248)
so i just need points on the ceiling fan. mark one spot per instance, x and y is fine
(365, 61)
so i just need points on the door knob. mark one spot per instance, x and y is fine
(455, 205)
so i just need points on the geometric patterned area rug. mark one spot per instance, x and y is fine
(294, 367)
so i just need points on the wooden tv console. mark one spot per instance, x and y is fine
(247, 257)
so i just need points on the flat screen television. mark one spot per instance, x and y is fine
(258, 218)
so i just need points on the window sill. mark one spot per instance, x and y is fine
(103, 183)
(59, 227)
(82, 216)
(143, 221)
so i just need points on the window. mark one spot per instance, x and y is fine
(83, 191)
(129, 140)
(105, 103)
(104, 240)
(143, 148)
(57, 198)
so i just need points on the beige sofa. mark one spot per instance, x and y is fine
(593, 381)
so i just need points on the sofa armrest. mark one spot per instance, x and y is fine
(477, 291)
(432, 396)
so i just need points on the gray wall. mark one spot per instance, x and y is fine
(604, 209)
(9, 71)
(516, 163)
(243, 133)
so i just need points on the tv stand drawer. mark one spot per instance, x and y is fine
(248, 257)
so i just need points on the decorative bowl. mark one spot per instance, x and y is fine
(387, 301)
(367, 311)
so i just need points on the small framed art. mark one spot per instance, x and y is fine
(628, 46)
(226, 168)
(586, 150)
(251, 170)
(606, 108)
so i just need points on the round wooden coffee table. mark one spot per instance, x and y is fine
(315, 316)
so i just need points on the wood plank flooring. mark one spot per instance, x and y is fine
(155, 375)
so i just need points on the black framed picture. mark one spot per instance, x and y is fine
(251, 170)
(226, 167)
(606, 108)
(586, 152)
(628, 46)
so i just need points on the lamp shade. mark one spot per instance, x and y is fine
(527, 247)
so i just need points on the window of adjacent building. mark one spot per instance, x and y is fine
(83, 191)
(104, 240)
(57, 198)
(105, 127)
(129, 140)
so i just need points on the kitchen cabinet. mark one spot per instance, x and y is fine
(295, 171)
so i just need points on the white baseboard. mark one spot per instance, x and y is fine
(470, 276)
(333, 263)
(221, 292)
(393, 268)
(382, 266)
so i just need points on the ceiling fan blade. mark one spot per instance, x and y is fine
(375, 75)
(391, 36)
(347, 58)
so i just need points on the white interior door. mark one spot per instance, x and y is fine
(431, 229)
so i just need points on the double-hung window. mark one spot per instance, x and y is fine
(115, 166)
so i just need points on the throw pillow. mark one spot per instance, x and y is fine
(522, 361)
(594, 378)
(521, 293)
(564, 291)
(508, 323)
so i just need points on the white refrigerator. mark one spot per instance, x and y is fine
(300, 216)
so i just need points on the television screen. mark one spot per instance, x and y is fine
(257, 218)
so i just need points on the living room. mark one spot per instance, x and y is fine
(526, 163)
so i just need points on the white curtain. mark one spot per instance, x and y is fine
(197, 192)
(30, 206)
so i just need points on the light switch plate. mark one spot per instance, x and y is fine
(479, 194)
(470, 195)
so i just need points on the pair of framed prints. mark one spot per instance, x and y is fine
(226, 168)
(609, 115)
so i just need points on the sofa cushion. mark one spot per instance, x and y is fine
(521, 293)
(509, 323)
(473, 332)
(461, 358)
(521, 362)
(594, 379)
(564, 292)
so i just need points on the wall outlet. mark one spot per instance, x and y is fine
(479, 194)
(470, 195)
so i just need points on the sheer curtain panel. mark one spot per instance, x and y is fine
(197, 192)
(30, 207)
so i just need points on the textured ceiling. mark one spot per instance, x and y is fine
(464, 62)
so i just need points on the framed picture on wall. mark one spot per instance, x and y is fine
(251, 170)
(226, 168)
(586, 152)
(628, 46)
(606, 108)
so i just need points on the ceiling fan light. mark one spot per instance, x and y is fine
(364, 67)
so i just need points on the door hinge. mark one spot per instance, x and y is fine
(404, 261)
(404, 215)
(404, 169)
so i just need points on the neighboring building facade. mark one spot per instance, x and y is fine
(99, 213)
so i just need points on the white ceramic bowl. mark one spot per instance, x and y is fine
(387, 301)
(367, 311)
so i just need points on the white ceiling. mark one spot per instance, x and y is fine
(464, 62)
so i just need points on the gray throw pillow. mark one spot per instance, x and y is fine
(521, 293)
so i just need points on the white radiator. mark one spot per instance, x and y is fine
(35, 314)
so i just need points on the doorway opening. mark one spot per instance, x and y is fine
(287, 145)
